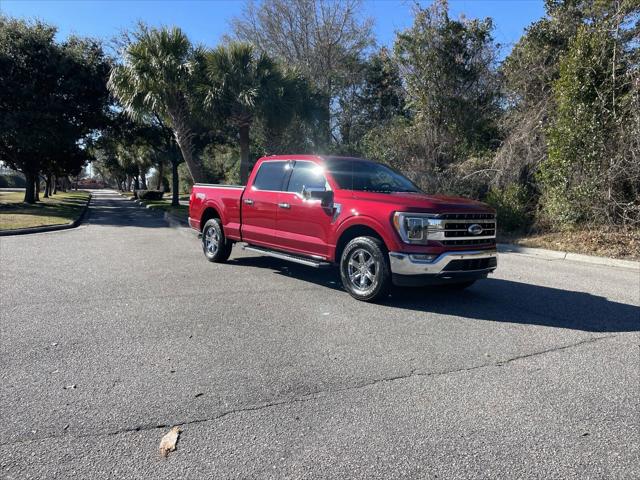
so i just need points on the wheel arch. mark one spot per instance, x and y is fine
(353, 231)
(208, 213)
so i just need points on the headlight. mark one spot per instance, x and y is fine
(416, 228)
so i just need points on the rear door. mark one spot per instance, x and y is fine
(303, 226)
(259, 203)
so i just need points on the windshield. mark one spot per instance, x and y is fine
(368, 177)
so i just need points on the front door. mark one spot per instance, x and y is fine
(259, 207)
(303, 225)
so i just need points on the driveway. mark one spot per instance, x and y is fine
(117, 330)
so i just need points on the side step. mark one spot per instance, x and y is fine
(309, 262)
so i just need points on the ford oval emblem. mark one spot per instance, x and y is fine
(474, 229)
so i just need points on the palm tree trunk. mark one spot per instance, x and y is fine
(244, 154)
(184, 138)
(175, 200)
(186, 148)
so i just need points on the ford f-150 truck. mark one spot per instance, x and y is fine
(366, 218)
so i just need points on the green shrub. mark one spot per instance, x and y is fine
(149, 194)
(512, 206)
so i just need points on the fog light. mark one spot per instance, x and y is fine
(419, 257)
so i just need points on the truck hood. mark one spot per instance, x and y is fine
(420, 202)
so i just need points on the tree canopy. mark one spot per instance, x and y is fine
(550, 134)
(53, 99)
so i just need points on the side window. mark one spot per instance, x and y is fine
(270, 176)
(306, 174)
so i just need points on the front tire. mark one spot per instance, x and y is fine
(214, 244)
(364, 269)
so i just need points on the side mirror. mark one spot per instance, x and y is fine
(325, 196)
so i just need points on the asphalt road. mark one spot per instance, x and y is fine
(117, 330)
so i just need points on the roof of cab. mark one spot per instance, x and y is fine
(316, 158)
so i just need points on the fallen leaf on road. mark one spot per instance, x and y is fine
(168, 442)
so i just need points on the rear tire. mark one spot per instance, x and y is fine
(214, 244)
(364, 269)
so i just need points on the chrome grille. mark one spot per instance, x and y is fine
(467, 216)
(454, 229)
(462, 243)
(457, 229)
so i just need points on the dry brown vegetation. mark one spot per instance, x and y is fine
(615, 243)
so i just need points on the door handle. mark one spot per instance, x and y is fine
(248, 201)
(284, 205)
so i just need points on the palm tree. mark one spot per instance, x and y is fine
(242, 85)
(158, 79)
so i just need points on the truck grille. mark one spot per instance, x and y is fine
(462, 243)
(454, 229)
(467, 216)
(463, 229)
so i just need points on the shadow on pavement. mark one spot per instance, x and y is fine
(111, 209)
(492, 299)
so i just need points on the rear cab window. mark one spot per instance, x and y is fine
(271, 176)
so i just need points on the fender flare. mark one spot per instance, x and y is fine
(212, 204)
(366, 221)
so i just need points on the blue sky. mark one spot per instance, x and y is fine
(206, 21)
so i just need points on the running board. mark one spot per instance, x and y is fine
(309, 262)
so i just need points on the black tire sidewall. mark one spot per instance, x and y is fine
(224, 248)
(377, 250)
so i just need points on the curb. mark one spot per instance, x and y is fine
(172, 220)
(573, 257)
(49, 228)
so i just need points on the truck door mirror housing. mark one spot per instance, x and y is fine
(325, 196)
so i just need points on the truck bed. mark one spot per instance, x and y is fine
(226, 200)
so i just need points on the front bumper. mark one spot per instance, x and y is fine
(408, 269)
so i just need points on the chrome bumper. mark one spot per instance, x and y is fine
(408, 264)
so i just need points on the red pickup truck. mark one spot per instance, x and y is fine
(364, 217)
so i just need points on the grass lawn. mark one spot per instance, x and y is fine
(59, 209)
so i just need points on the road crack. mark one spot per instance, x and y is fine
(411, 373)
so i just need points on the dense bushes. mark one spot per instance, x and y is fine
(551, 137)
(513, 205)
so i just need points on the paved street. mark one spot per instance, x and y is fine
(117, 330)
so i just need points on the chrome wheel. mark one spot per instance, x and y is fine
(211, 240)
(362, 271)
